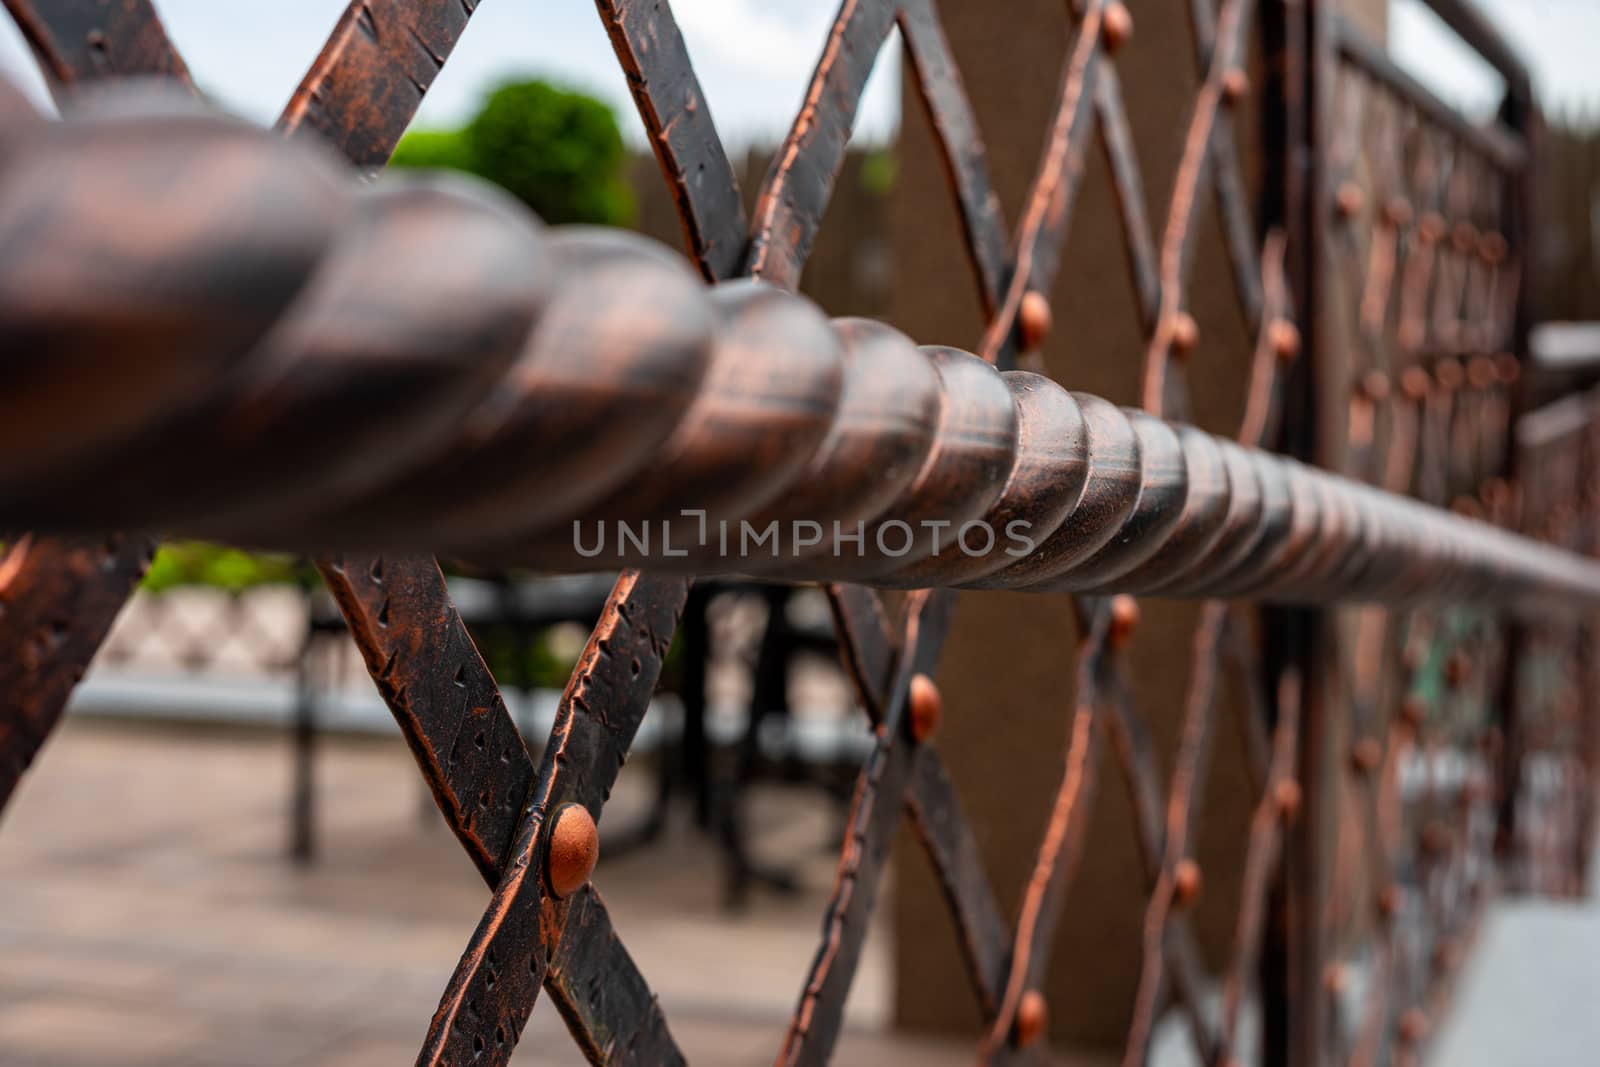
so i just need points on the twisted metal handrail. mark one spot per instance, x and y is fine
(294, 360)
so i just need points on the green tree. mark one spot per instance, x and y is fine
(557, 150)
(432, 150)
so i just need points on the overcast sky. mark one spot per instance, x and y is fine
(753, 56)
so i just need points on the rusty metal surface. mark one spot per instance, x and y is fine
(643, 393)
(57, 600)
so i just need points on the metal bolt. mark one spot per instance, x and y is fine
(1349, 199)
(1413, 1026)
(1448, 373)
(1414, 383)
(1124, 619)
(1493, 248)
(1480, 372)
(1034, 319)
(571, 851)
(1284, 337)
(926, 707)
(1116, 26)
(1187, 882)
(1375, 386)
(1033, 1015)
(1398, 211)
(1286, 795)
(1389, 901)
(1235, 83)
(1366, 754)
(1185, 333)
(1507, 368)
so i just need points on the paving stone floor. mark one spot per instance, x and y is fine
(148, 916)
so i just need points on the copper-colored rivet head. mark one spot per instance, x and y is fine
(1235, 83)
(1492, 247)
(1414, 712)
(1507, 368)
(1124, 619)
(1349, 199)
(1335, 977)
(1116, 26)
(1480, 372)
(1185, 333)
(1375, 386)
(1285, 339)
(1413, 1026)
(1465, 237)
(573, 848)
(1398, 211)
(1389, 901)
(1366, 754)
(1187, 882)
(1286, 794)
(1449, 374)
(1432, 227)
(1033, 1016)
(926, 707)
(1414, 383)
(1033, 317)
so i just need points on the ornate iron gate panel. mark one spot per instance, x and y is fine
(1390, 751)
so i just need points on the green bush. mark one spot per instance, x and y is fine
(557, 150)
(200, 563)
(432, 150)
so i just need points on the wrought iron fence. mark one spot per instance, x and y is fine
(1403, 750)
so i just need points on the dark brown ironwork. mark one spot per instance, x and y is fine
(1382, 285)
(855, 426)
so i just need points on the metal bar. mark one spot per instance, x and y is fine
(1081, 473)
(369, 79)
(939, 88)
(1036, 248)
(89, 40)
(797, 188)
(682, 133)
(875, 814)
(1506, 150)
(57, 600)
(490, 995)
(1473, 27)
(58, 597)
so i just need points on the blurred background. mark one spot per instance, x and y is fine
(226, 856)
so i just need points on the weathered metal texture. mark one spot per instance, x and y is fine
(87, 40)
(645, 393)
(371, 76)
(1417, 282)
(852, 421)
(57, 600)
(59, 597)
